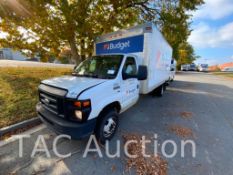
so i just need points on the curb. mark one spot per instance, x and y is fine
(19, 125)
(28, 132)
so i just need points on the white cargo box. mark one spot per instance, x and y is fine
(151, 48)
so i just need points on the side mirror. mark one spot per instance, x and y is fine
(172, 69)
(127, 76)
(142, 73)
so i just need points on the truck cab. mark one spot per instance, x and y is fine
(90, 100)
(184, 67)
(203, 68)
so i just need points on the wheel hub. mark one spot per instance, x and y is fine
(109, 127)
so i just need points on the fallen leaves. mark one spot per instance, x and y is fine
(153, 165)
(186, 115)
(181, 131)
(113, 168)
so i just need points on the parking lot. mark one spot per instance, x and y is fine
(206, 98)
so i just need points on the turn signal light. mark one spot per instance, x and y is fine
(84, 104)
(78, 104)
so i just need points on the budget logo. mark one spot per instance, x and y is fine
(106, 46)
(125, 45)
(118, 45)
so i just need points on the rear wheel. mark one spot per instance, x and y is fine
(106, 125)
(160, 90)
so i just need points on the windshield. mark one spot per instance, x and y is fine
(192, 65)
(104, 67)
(204, 65)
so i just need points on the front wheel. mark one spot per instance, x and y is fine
(106, 126)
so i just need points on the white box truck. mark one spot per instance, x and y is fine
(126, 63)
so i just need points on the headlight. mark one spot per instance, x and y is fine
(81, 110)
(78, 115)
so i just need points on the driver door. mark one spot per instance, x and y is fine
(130, 86)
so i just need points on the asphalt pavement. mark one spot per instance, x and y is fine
(208, 99)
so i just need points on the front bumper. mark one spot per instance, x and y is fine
(203, 70)
(63, 126)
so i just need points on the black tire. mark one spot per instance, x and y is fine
(165, 86)
(160, 90)
(103, 124)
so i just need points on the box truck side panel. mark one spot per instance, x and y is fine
(157, 56)
(144, 60)
(161, 54)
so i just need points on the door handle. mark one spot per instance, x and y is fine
(116, 86)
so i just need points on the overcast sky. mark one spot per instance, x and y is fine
(212, 35)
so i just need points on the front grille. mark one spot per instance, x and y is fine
(52, 99)
(49, 101)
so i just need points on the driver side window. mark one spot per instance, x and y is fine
(130, 67)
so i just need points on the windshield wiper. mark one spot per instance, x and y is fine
(85, 75)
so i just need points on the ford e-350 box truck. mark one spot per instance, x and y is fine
(126, 63)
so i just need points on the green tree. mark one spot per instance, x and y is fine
(45, 27)
(174, 22)
(185, 54)
(53, 24)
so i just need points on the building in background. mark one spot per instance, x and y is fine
(213, 68)
(221, 67)
(10, 54)
(225, 65)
